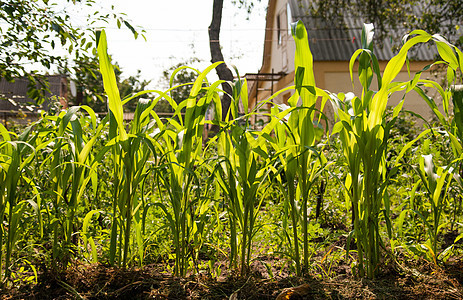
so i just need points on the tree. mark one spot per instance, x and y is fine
(393, 18)
(89, 90)
(222, 70)
(32, 30)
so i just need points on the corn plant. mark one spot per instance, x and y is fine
(364, 133)
(457, 99)
(228, 183)
(295, 142)
(130, 152)
(242, 171)
(15, 175)
(227, 170)
(177, 173)
(452, 58)
(70, 162)
(436, 182)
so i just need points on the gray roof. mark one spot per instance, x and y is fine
(330, 42)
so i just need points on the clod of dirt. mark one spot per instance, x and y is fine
(298, 292)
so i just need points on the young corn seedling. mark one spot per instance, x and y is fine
(244, 204)
(15, 161)
(177, 174)
(226, 179)
(130, 153)
(295, 142)
(436, 182)
(241, 174)
(70, 162)
(364, 133)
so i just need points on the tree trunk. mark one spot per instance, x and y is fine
(223, 71)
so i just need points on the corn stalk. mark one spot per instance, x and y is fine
(180, 159)
(15, 159)
(295, 142)
(364, 133)
(130, 153)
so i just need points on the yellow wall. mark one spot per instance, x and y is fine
(329, 75)
(335, 78)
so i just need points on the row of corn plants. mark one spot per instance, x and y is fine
(100, 189)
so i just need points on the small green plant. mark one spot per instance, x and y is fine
(242, 172)
(130, 153)
(295, 143)
(364, 132)
(181, 159)
(436, 182)
(15, 174)
(70, 162)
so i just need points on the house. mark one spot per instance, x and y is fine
(16, 104)
(332, 49)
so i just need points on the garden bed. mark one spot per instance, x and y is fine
(98, 281)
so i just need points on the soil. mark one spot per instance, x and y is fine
(98, 281)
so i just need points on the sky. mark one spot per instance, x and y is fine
(176, 31)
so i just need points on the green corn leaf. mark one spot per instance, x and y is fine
(88, 146)
(456, 144)
(92, 115)
(110, 85)
(113, 241)
(65, 118)
(439, 192)
(457, 100)
(458, 238)
(244, 96)
(4, 133)
(87, 220)
(179, 69)
(431, 104)
(400, 222)
(365, 71)
(392, 69)
(201, 78)
(353, 58)
(94, 250)
(303, 59)
(139, 239)
(446, 52)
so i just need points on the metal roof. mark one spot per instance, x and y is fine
(331, 42)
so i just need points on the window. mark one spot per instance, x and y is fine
(290, 18)
(279, 29)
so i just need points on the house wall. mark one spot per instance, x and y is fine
(329, 75)
(280, 46)
(335, 77)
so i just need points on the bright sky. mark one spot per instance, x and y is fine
(176, 31)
